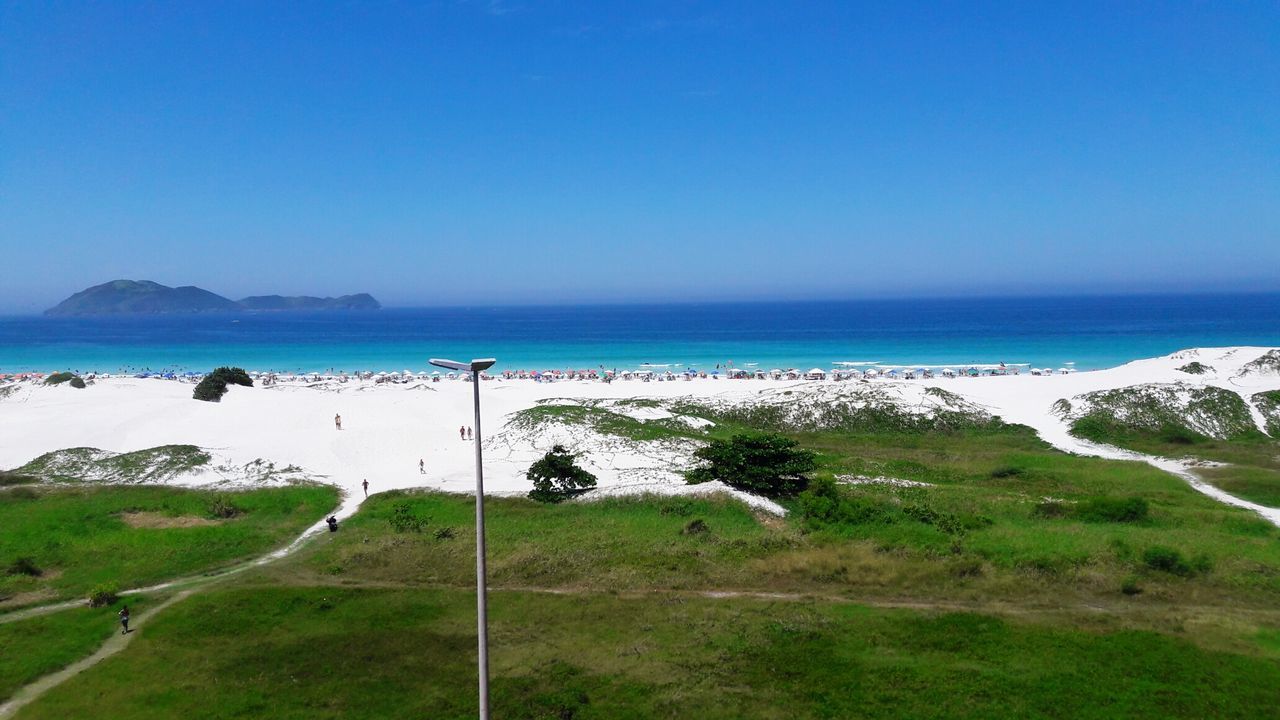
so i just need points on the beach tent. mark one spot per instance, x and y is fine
(816, 374)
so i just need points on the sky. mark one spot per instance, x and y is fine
(510, 152)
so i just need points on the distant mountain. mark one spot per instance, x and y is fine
(129, 297)
(361, 301)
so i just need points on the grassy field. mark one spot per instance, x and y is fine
(983, 530)
(1010, 580)
(327, 652)
(1254, 459)
(60, 542)
(40, 645)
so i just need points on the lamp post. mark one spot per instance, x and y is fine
(482, 611)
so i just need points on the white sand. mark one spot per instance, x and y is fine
(387, 428)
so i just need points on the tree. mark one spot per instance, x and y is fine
(214, 385)
(556, 476)
(768, 464)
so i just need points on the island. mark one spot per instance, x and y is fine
(144, 297)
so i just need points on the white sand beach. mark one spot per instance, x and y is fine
(388, 428)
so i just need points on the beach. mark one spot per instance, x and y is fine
(286, 431)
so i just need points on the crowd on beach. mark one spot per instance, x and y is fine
(653, 374)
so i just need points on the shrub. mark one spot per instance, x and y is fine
(764, 463)
(213, 386)
(1165, 559)
(1178, 435)
(103, 595)
(697, 526)
(404, 519)
(1005, 471)
(24, 566)
(1195, 368)
(77, 382)
(556, 476)
(1130, 586)
(944, 521)
(58, 378)
(1105, 509)
(445, 533)
(222, 507)
(8, 477)
(824, 503)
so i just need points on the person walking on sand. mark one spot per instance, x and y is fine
(469, 433)
(366, 487)
(337, 421)
(124, 620)
(462, 432)
(422, 467)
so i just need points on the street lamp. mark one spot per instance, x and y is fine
(475, 367)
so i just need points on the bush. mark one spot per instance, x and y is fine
(103, 595)
(222, 507)
(1178, 435)
(214, 385)
(1165, 559)
(1105, 509)
(404, 519)
(556, 477)
(24, 566)
(77, 382)
(763, 463)
(8, 477)
(1130, 586)
(445, 533)
(697, 526)
(1006, 471)
(58, 378)
(824, 503)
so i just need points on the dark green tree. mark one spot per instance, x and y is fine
(214, 385)
(556, 476)
(767, 464)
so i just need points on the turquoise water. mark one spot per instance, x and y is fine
(1091, 332)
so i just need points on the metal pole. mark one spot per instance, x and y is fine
(482, 610)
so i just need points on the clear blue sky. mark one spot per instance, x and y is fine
(639, 151)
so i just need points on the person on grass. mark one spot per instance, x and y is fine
(124, 620)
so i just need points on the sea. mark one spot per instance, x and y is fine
(1055, 332)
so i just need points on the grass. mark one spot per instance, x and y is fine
(997, 548)
(327, 652)
(1253, 458)
(78, 538)
(40, 645)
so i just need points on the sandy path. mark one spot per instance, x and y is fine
(115, 644)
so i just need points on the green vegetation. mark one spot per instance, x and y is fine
(10, 479)
(1196, 367)
(40, 645)
(855, 409)
(71, 379)
(1175, 414)
(213, 386)
(556, 477)
(331, 652)
(1208, 424)
(83, 537)
(1106, 589)
(595, 416)
(767, 464)
(1266, 364)
(1268, 403)
(153, 465)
